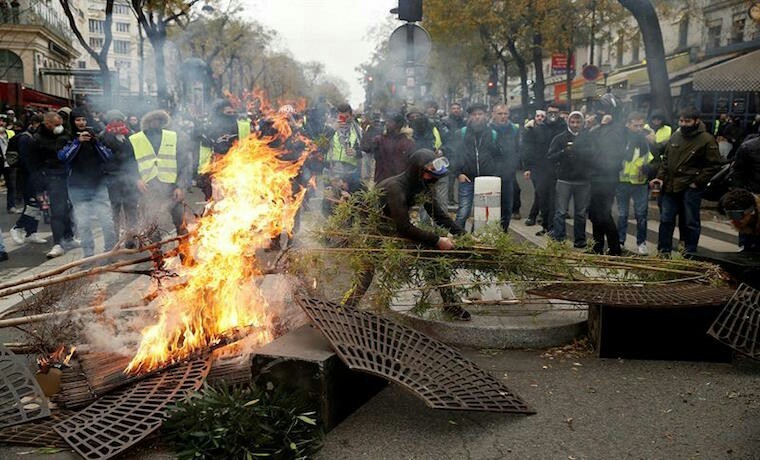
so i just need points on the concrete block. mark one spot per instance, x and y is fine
(303, 361)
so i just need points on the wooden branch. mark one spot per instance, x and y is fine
(98, 309)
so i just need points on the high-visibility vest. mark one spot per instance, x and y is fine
(204, 154)
(151, 165)
(437, 135)
(337, 151)
(662, 134)
(632, 169)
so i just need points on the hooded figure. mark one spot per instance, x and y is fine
(400, 193)
(223, 129)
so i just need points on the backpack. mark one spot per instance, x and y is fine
(493, 133)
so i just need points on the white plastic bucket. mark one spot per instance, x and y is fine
(487, 201)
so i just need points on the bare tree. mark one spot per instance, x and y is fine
(101, 57)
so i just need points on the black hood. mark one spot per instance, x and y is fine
(417, 162)
(78, 112)
(219, 106)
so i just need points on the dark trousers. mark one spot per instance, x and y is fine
(60, 207)
(544, 183)
(31, 215)
(11, 174)
(685, 205)
(123, 196)
(600, 214)
(507, 199)
(516, 202)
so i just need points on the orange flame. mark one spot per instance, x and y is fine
(254, 203)
(56, 358)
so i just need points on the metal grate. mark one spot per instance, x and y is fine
(738, 325)
(21, 398)
(39, 433)
(637, 295)
(118, 420)
(435, 372)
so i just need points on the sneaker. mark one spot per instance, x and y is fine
(72, 243)
(642, 249)
(57, 251)
(457, 312)
(3, 256)
(541, 232)
(17, 235)
(36, 238)
(516, 216)
(530, 222)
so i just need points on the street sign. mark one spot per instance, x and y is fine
(591, 72)
(409, 43)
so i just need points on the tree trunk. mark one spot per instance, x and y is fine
(522, 70)
(646, 17)
(162, 92)
(141, 64)
(538, 65)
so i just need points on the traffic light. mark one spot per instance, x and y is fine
(409, 10)
(492, 87)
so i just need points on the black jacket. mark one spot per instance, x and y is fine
(43, 155)
(535, 145)
(747, 165)
(400, 194)
(572, 161)
(689, 158)
(607, 152)
(123, 164)
(474, 153)
(508, 138)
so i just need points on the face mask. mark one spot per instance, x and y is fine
(689, 129)
(58, 129)
(418, 124)
(551, 117)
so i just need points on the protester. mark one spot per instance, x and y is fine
(689, 161)
(85, 158)
(743, 209)
(223, 131)
(163, 169)
(50, 174)
(25, 229)
(746, 166)
(8, 164)
(121, 174)
(391, 149)
(343, 152)
(508, 140)
(572, 161)
(399, 194)
(634, 181)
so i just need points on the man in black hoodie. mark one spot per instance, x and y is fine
(85, 157)
(400, 193)
(49, 173)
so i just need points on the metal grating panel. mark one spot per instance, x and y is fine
(118, 420)
(435, 372)
(21, 398)
(39, 433)
(738, 325)
(637, 295)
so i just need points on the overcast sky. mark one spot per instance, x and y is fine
(333, 32)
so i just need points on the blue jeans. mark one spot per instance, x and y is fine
(92, 203)
(466, 195)
(2, 243)
(581, 193)
(640, 194)
(690, 199)
(56, 183)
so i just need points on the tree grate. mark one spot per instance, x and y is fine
(684, 294)
(435, 372)
(738, 325)
(39, 433)
(21, 398)
(120, 419)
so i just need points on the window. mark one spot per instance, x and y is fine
(81, 64)
(121, 47)
(96, 43)
(120, 9)
(123, 64)
(713, 33)
(122, 27)
(97, 26)
(683, 32)
(737, 30)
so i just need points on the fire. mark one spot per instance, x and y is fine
(56, 359)
(254, 202)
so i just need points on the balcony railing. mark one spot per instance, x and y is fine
(38, 15)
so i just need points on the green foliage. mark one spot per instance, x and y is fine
(242, 423)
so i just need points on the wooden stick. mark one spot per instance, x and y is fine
(95, 258)
(44, 316)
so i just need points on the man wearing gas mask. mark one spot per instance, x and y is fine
(399, 194)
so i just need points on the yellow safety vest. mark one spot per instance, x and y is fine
(151, 165)
(437, 135)
(337, 151)
(632, 170)
(204, 154)
(662, 134)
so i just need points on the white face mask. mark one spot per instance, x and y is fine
(58, 129)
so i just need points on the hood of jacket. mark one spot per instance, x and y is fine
(155, 115)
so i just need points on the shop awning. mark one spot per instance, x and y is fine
(638, 75)
(738, 74)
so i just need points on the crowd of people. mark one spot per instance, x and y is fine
(79, 166)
